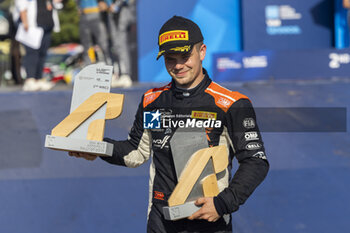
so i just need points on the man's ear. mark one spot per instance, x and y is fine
(202, 51)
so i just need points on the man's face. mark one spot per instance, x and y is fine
(186, 68)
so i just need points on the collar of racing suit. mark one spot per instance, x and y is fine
(185, 93)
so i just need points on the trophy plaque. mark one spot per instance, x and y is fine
(196, 167)
(83, 129)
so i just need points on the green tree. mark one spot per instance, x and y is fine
(69, 22)
(5, 4)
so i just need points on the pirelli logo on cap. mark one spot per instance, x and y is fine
(173, 36)
(204, 115)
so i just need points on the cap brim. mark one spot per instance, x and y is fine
(177, 49)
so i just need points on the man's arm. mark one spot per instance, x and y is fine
(137, 149)
(24, 19)
(253, 165)
(250, 153)
(22, 6)
(241, 187)
(346, 4)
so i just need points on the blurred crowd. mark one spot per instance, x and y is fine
(103, 33)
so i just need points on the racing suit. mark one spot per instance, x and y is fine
(235, 127)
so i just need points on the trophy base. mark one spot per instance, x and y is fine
(180, 211)
(99, 148)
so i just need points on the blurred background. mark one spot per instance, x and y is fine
(283, 54)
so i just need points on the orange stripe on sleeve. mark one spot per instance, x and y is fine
(152, 94)
(224, 98)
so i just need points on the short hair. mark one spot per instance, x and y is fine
(198, 45)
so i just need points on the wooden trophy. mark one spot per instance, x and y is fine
(196, 166)
(83, 129)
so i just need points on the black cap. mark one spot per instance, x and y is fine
(178, 35)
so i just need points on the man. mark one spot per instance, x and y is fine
(117, 16)
(192, 92)
(91, 26)
(125, 16)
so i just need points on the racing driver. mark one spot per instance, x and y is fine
(228, 117)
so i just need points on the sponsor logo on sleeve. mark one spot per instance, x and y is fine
(224, 102)
(253, 146)
(249, 123)
(260, 155)
(251, 136)
(149, 98)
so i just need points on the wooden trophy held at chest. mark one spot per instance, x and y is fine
(197, 166)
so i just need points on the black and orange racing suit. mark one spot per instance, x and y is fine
(235, 127)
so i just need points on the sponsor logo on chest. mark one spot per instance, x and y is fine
(161, 143)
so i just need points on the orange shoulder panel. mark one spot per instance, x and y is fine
(152, 94)
(224, 98)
